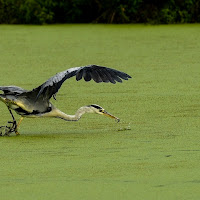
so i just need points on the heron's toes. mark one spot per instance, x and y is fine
(3, 130)
(7, 130)
(7, 134)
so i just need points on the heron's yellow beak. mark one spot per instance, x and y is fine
(111, 116)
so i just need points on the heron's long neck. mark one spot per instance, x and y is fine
(76, 117)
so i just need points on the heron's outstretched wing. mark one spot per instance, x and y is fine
(12, 89)
(97, 73)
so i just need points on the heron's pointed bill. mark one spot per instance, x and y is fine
(110, 115)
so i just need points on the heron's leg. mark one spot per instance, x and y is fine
(8, 129)
(16, 130)
(14, 124)
(12, 114)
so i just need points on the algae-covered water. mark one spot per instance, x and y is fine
(153, 153)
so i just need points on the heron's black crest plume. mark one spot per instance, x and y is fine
(96, 106)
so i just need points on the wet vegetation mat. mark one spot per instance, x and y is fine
(152, 153)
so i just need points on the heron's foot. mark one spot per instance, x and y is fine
(7, 133)
(9, 128)
(4, 131)
(13, 126)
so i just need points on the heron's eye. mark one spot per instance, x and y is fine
(101, 110)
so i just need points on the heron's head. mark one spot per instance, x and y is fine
(101, 111)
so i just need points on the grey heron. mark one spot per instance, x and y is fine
(36, 102)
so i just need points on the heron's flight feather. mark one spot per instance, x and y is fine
(95, 72)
